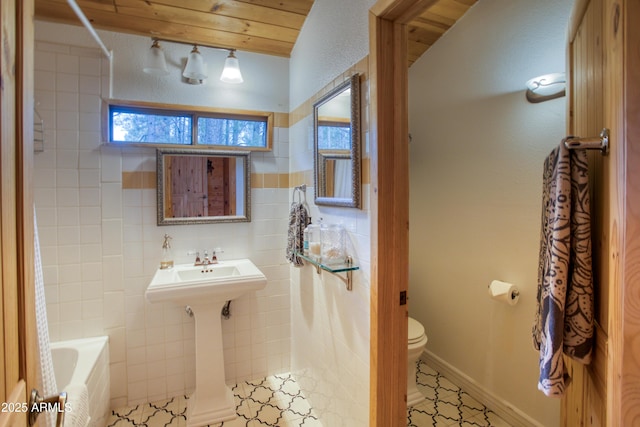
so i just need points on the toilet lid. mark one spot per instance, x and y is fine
(416, 330)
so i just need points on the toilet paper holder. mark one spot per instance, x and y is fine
(503, 292)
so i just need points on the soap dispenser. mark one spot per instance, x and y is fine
(167, 257)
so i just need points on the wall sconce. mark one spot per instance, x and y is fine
(546, 87)
(231, 71)
(156, 63)
(195, 71)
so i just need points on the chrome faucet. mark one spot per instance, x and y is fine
(206, 260)
(199, 261)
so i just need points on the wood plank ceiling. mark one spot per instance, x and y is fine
(263, 26)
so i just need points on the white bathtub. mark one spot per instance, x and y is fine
(85, 361)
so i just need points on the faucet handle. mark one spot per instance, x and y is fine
(214, 257)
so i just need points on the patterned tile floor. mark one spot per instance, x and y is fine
(272, 401)
(278, 401)
(447, 404)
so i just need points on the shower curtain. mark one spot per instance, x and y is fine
(342, 185)
(46, 374)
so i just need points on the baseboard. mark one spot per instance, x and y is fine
(501, 407)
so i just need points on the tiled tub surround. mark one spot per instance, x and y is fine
(101, 245)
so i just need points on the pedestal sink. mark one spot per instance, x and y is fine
(206, 289)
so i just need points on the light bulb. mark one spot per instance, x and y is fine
(231, 72)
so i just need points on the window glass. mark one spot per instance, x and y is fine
(334, 137)
(146, 127)
(147, 124)
(232, 132)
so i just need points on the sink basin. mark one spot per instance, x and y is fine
(186, 283)
(206, 289)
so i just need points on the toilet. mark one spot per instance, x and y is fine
(417, 340)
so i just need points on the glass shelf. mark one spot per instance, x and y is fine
(346, 267)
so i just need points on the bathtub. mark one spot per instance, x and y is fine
(85, 361)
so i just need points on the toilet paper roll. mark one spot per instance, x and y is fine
(504, 292)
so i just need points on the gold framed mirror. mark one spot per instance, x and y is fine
(203, 186)
(336, 135)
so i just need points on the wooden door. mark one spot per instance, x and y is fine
(220, 176)
(17, 329)
(603, 92)
(189, 186)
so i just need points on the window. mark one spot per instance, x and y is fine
(160, 124)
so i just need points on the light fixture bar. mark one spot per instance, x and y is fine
(210, 46)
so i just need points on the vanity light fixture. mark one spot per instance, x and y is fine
(231, 71)
(195, 71)
(156, 63)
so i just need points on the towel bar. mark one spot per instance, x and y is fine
(596, 143)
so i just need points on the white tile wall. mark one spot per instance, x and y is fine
(330, 325)
(101, 246)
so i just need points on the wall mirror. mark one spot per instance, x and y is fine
(203, 186)
(336, 125)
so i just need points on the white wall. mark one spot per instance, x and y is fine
(334, 36)
(330, 325)
(100, 242)
(476, 162)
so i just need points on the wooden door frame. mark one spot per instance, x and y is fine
(20, 356)
(389, 139)
(25, 102)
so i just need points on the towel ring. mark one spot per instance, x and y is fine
(301, 192)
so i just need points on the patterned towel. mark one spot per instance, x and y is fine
(564, 316)
(298, 221)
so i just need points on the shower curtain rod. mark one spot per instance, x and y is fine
(595, 143)
(82, 17)
(108, 53)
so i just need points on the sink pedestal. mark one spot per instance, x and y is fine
(206, 289)
(213, 401)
